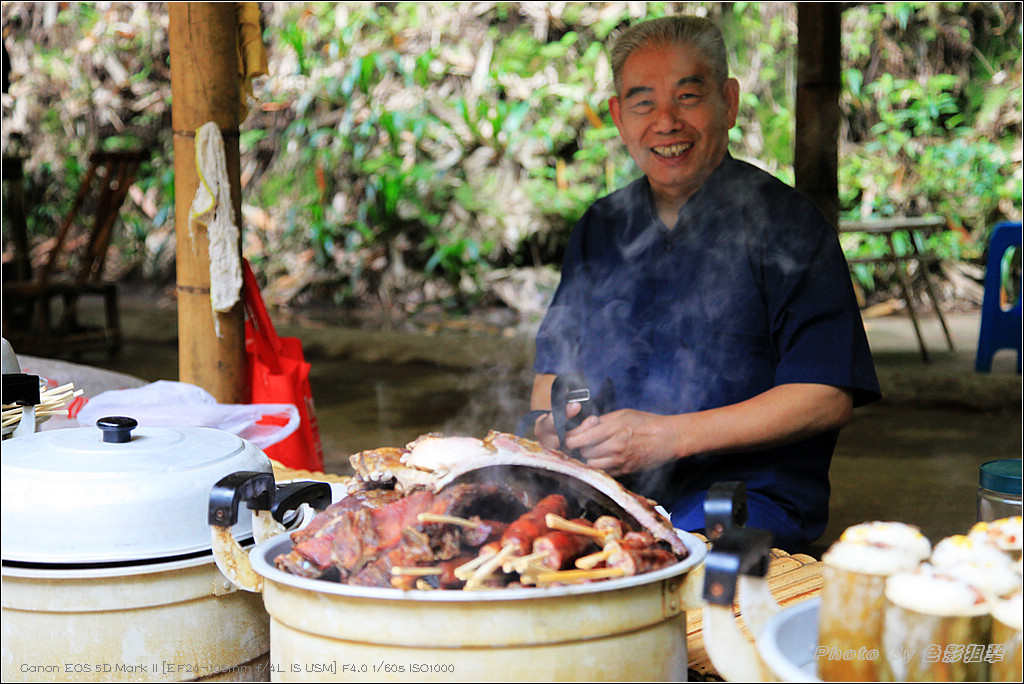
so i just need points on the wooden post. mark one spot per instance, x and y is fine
(205, 87)
(816, 150)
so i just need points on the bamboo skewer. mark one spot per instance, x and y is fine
(476, 580)
(9, 420)
(52, 402)
(557, 522)
(577, 576)
(530, 572)
(449, 519)
(417, 571)
(466, 570)
(594, 559)
(522, 562)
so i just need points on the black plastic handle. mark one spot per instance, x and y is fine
(255, 488)
(739, 551)
(725, 508)
(117, 429)
(288, 497)
(21, 389)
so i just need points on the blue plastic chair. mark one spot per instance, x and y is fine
(1000, 329)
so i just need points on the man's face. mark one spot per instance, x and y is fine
(673, 118)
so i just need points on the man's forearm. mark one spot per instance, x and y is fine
(781, 415)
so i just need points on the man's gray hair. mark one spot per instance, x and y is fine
(699, 32)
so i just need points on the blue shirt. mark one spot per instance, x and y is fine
(750, 290)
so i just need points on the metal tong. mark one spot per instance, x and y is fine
(564, 390)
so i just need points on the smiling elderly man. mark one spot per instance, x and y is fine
(707, 304)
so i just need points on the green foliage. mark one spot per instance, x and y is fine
(400, 143)
(933, 135)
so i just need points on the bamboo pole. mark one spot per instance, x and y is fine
(204, 87)
(816, 146)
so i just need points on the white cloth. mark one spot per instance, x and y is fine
(214, 208)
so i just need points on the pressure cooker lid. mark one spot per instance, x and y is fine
(122, 493)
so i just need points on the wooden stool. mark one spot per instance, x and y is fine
(29, 319)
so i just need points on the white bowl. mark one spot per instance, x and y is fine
(789, 642)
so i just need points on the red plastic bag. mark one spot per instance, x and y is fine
(278, 374)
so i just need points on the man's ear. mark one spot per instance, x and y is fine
(615, 107)
(731, 93)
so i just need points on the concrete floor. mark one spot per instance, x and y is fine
(912, 457)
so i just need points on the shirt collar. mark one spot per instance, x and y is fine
(702, 198)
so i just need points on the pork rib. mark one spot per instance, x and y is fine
(512, 451)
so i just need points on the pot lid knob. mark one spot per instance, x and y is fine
(117, 429)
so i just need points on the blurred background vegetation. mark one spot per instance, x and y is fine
(435, 156)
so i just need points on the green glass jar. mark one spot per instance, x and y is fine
(999, 489)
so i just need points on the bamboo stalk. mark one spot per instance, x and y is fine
(922, 647)
(205, 87)
(851, 616)
(854, 576)
(1008, 635)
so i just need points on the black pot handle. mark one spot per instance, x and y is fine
(255, 488)
(739, 551)
(21, 389)
(288, 497)
(725, 508)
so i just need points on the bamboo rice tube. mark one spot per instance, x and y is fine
(960, 548)
(1005, 649)
(854, 572)
(936, 629)
(1005, 534)
(979, 563)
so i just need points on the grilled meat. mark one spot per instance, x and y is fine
(511, 451)
(392, 532)
(531, 525)
(562, 548)
(348, 537)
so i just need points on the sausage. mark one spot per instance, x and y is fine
(639, 559)
(530, 525)
(610, 527)
(562, 548)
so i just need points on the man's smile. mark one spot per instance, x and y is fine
(670, 151)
